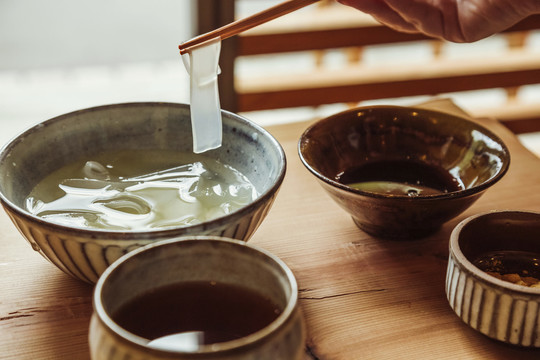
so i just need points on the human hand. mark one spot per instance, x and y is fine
(453, 20)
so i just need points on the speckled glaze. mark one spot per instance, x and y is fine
(499, 309)
(198, 259)
(85, 253)
(349, 139)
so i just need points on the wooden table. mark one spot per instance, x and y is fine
(363, 298)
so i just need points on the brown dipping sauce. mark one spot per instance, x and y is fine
(400, 177)
(216, 312)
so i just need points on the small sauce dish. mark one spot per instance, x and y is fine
(486, 249)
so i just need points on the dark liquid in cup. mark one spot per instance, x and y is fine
(522, 263)
(213, 312)
(400, 177)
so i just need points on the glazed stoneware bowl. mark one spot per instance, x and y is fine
(85, 253)
(200, 259)
(441, 164)
(504, 310)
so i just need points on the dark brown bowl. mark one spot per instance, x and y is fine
(399, 144)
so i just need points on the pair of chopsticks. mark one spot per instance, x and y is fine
(241, 25)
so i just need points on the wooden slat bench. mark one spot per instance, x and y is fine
(331, 26)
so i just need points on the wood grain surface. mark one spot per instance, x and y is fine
(363, 298)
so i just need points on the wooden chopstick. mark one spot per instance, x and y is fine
(241, 25)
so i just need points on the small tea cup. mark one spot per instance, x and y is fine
(196, 260)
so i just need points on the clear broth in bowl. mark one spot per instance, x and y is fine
(140, 190)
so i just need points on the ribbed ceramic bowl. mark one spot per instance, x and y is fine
(497, 308)
(85, 253)
(200, 259)
(472, 155)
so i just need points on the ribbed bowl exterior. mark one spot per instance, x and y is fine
(85, 256)
(85, 253)
(494, 311)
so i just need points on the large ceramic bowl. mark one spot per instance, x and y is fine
(503, 310)
(404, 146)
(208, 260)
(85, 253)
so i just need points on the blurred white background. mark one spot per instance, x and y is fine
(58, 56)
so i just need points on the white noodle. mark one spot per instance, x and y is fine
(203, 68)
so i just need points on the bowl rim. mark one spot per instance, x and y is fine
(246, 341)
(478, 274)
(131, 235)
(476, 189)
